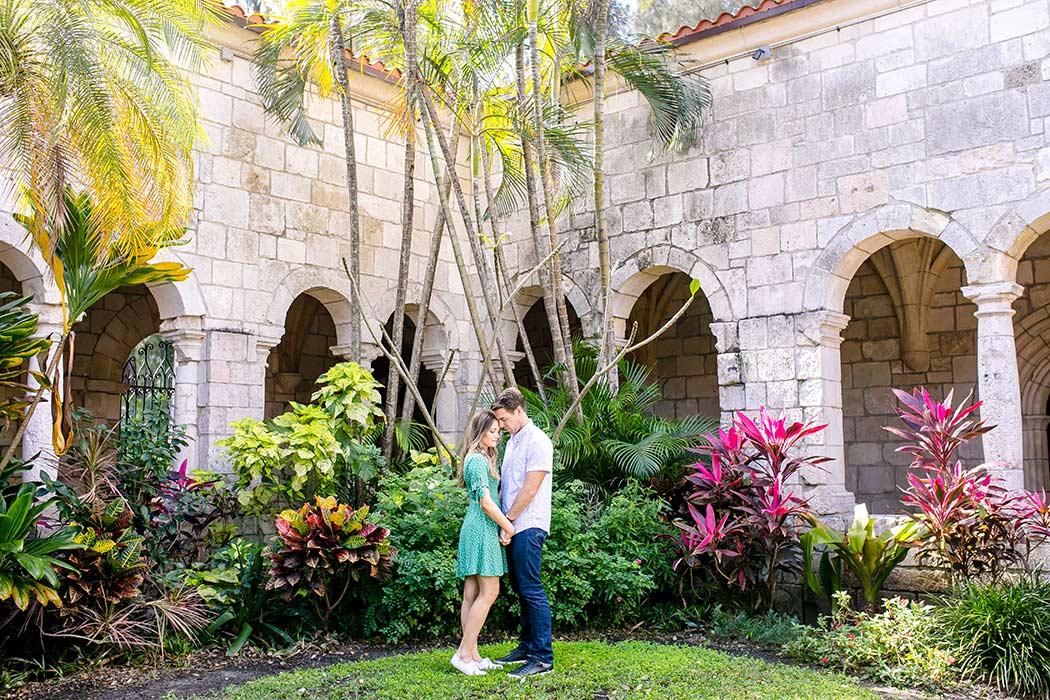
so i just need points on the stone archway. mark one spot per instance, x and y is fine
(538, 331)
(104, 339)
(683, 361)
(909, 326)
(302, 355)
(1032, 329)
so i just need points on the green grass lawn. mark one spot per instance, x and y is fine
(583, 671)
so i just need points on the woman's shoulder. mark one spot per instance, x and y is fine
(475, 458)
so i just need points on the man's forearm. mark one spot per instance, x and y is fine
(521, 502)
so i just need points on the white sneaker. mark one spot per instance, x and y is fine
(487, 664)
(467, 668)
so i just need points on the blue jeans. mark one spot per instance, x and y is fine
(524, 557)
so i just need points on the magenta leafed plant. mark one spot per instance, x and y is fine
(325, 547)
(744, 516)
(972, 526)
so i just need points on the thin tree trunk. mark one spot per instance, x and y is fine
(432, 131)
(339, 47)
(605, 326)
(538, 243)
(407, 210)
(560, 331)
(504, 281)
(416, 361)
(485, 274)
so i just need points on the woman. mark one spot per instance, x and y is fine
(481, 557)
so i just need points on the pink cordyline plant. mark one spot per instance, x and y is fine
(971, 525)
(743, 515)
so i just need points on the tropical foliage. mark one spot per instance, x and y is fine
(314, 449)
(325, 547)
(93, 95)
(972, 525)
(743, 520)
(621, 436)
(17, 344)
(28, 567)
(88, 263)
(866, 557)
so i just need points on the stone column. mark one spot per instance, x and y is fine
(187, 337)
(818, 369)
(37, 439)
(446, 399)
(998, 383)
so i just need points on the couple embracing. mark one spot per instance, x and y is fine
(503, 531)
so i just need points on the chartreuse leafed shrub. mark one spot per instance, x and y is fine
(320, 449)
(1001, 633)
(900, 646)
(601, 562)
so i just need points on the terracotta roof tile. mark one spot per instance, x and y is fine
(729, 20)
(374, 68)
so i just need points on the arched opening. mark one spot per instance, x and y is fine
(434, 361)
(909, 326)
(303, 355)
(1032, 335)
(8, 283)
(105, 339)
(538, 331)
(683, 361)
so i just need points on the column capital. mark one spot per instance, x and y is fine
(185, 333)
(993, 298)
(435, 360)
(823, 328)
(370, 352)
(263, 345)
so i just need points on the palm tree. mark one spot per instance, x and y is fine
(310, 46)
(92, 94)
(88, 264)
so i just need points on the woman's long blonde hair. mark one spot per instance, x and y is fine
(480, 423)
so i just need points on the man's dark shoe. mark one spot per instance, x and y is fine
(533, 668)
(515, 657)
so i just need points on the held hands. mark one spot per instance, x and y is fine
(505, 535)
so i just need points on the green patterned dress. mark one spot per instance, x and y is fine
(480, 552)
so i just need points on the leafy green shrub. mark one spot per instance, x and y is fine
(233, 583)
(601, 564)
(1001, 633)
(319, 449)
(900, 646)
(27, 565)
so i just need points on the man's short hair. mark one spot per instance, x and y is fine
(509, 399)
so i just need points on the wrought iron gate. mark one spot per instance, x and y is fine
(149, 375)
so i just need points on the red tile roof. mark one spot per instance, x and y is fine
(374, 68)
(747, 14)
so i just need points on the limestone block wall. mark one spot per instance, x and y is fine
(869, 123)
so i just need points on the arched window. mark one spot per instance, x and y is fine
(149, 379)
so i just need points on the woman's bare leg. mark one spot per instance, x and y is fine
(479, 611)
(470, 594)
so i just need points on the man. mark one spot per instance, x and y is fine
(526, 498)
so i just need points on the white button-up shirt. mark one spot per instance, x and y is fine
(528, 450)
